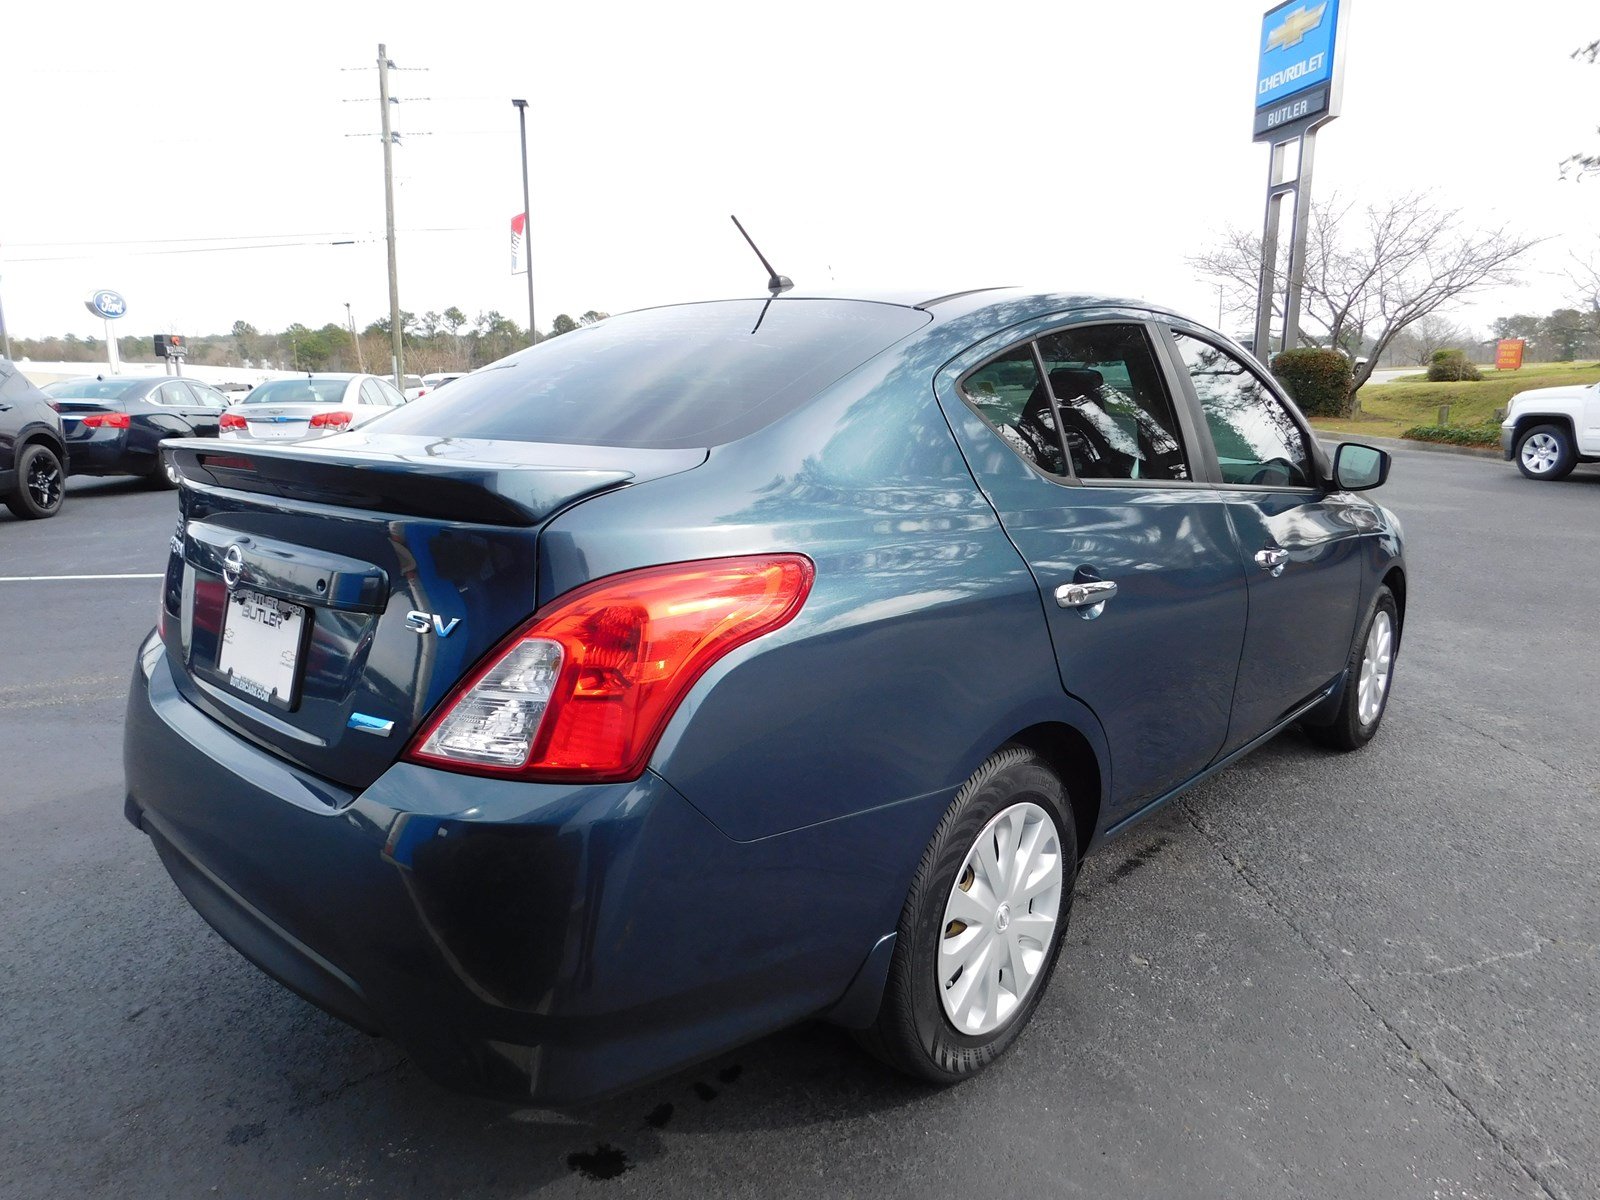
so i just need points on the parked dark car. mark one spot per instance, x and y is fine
(33, 454)
(719, 666)
(116, 424)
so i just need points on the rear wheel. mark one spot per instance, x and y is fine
(1546, 452)
(163, 474)
(979, 934)
(41, 486)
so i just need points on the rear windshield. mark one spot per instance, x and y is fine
(688, 376)
(89, 389)
(298, 391)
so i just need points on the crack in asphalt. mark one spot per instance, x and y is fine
(1236, 862)
(330, 1094)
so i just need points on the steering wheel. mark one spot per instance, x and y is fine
(1273, 471)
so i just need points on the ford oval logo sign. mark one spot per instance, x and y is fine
(108, 304)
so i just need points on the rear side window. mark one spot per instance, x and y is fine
(1117, 418)
(687, 376)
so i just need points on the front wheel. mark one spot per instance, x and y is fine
(981, 928)
(1367, 678)
(41, 486)
(1546, 452)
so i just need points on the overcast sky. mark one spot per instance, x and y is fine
(872, 142)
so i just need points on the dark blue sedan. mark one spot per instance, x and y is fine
(720, 666)
(115, 425)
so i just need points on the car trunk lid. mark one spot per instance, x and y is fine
(320, 599)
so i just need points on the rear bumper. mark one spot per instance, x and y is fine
(543, 943)
(104, 452)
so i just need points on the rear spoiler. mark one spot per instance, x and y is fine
(406, 484)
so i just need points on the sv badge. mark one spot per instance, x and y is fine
(422, 622)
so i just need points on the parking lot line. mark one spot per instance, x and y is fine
(52, 578)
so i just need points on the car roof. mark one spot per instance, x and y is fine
(951, 302)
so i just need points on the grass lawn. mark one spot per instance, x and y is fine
(1389, 409)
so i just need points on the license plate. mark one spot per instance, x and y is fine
(261, 640)
(271, 432)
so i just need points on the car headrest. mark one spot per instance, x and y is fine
(1068, 383)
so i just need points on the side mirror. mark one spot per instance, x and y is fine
(1358, 468)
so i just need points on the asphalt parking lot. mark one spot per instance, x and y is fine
(1321, 976)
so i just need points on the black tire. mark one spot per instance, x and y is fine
(1347, 731)
(912, 1032)
(158, 477)
(1560, 464)
(41, 487)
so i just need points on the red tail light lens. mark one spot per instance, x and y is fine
(107, 421)
(584, 690)
(330, 420)
(231, 421)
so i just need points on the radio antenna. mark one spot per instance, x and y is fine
(776, 283)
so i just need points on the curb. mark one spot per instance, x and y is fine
(1384, 443)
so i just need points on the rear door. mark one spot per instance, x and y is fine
(1299, 541)
(1091, 474)
(184, 400)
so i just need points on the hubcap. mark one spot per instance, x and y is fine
(1539, 453)
(1375, 667)
(999, 920)
(44, 482)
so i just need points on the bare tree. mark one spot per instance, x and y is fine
(1436, 332)
(1579, 165)
(1373, 273)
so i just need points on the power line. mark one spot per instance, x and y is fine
(369, 239)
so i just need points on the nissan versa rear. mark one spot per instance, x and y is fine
(725, 665)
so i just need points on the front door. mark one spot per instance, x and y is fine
(1300, 544)
(1090, 474)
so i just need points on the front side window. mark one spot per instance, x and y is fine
(1257, 441)
(1118, 420)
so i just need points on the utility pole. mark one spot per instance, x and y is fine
(527, 219)
(388, 212)
(350, 320)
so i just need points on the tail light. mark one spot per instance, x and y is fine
(231, 421)
(333, 421)
(583, 691)
(107, 421)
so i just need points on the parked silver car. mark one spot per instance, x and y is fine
(289, 410)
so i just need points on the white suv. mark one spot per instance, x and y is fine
(1548, 431)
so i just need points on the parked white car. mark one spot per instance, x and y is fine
(288, 410)
(415, 387)
(439, 378)
(1548, 431)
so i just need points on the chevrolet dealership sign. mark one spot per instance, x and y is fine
(1297, 81)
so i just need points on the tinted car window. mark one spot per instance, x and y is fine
(298, 391)
(174, 394)
(1006, 393)
(1257, 440)
(88, 389)
(1118, 419)
(686, 376)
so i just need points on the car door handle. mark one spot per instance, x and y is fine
(1272, 560)
(1089, 597)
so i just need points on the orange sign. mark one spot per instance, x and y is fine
(1508, 354)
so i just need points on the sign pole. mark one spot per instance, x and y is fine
(111, 349)
(1299, 88)
(1297, 242)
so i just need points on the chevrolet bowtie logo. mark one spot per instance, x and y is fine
(1295, 27)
